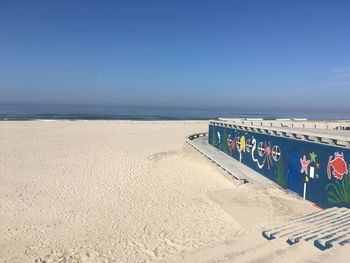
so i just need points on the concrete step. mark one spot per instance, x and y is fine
(343, 241)
(319, 229)
(302, 222)
(328, 241)
(316, 222)
(327, 228)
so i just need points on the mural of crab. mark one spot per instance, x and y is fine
(338, 165)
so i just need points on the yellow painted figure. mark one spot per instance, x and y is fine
(242, 144)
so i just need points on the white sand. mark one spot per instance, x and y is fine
(127, 191)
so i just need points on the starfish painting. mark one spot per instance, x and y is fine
(306, 179)
(304, 164)
(313, 157)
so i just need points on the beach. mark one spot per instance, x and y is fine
(131, 191)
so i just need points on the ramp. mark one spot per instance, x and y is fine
(236, 169)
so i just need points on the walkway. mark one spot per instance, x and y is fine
(230, 165)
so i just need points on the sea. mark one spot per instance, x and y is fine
(63, 112)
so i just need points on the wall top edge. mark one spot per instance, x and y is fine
(330, 135)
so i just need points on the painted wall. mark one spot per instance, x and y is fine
(318, 171)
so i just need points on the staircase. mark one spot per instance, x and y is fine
(326, 229)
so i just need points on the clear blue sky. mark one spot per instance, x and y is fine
(229, 54)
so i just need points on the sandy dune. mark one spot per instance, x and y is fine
(130, 191)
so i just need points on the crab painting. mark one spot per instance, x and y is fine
(338, 165)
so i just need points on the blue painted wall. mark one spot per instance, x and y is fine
(327, 185)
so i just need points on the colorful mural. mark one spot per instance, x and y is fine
(317, 172)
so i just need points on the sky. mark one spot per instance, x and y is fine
(255, 55)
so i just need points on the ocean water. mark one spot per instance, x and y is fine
(21, 112)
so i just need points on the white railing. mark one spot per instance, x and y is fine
(286, 131)
(293, 123)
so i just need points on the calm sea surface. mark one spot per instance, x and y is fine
(129, 113)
